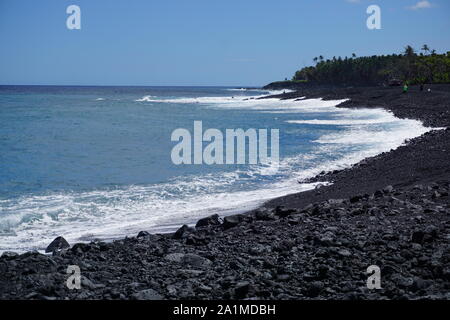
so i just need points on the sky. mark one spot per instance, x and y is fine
(202, 42)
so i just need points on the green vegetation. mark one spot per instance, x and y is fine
(426, 67)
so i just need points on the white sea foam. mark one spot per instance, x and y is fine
(110, 214)
(238, 89)
(387, 138)
(339, 122)
(145, 99)
(271, 92)
(212, 99)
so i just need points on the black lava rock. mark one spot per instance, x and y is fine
(182, 232)
(58, 244)
(208, 221)
(143, 234)
(231, 221)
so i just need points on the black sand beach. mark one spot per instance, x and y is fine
(391, 210)
(422, 160)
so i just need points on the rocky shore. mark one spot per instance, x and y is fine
(391, 211)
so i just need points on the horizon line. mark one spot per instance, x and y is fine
(119, 85)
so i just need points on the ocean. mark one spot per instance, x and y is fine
(95, 162)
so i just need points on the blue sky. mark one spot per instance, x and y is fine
(201, 42)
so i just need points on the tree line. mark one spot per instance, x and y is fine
(427, 66)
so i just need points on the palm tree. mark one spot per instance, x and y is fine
(315, 59)
(425, 48)
(409, 51)
(321, 58)
(353, 55)
(410, 55)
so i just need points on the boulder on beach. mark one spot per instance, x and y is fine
(182, 232)
(143, 234)
(58, 244)
(232, 221)
(211, 220)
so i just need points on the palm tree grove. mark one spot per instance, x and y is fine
(410, 66)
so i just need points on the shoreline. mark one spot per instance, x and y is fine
(434, 113)
(269, 253)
